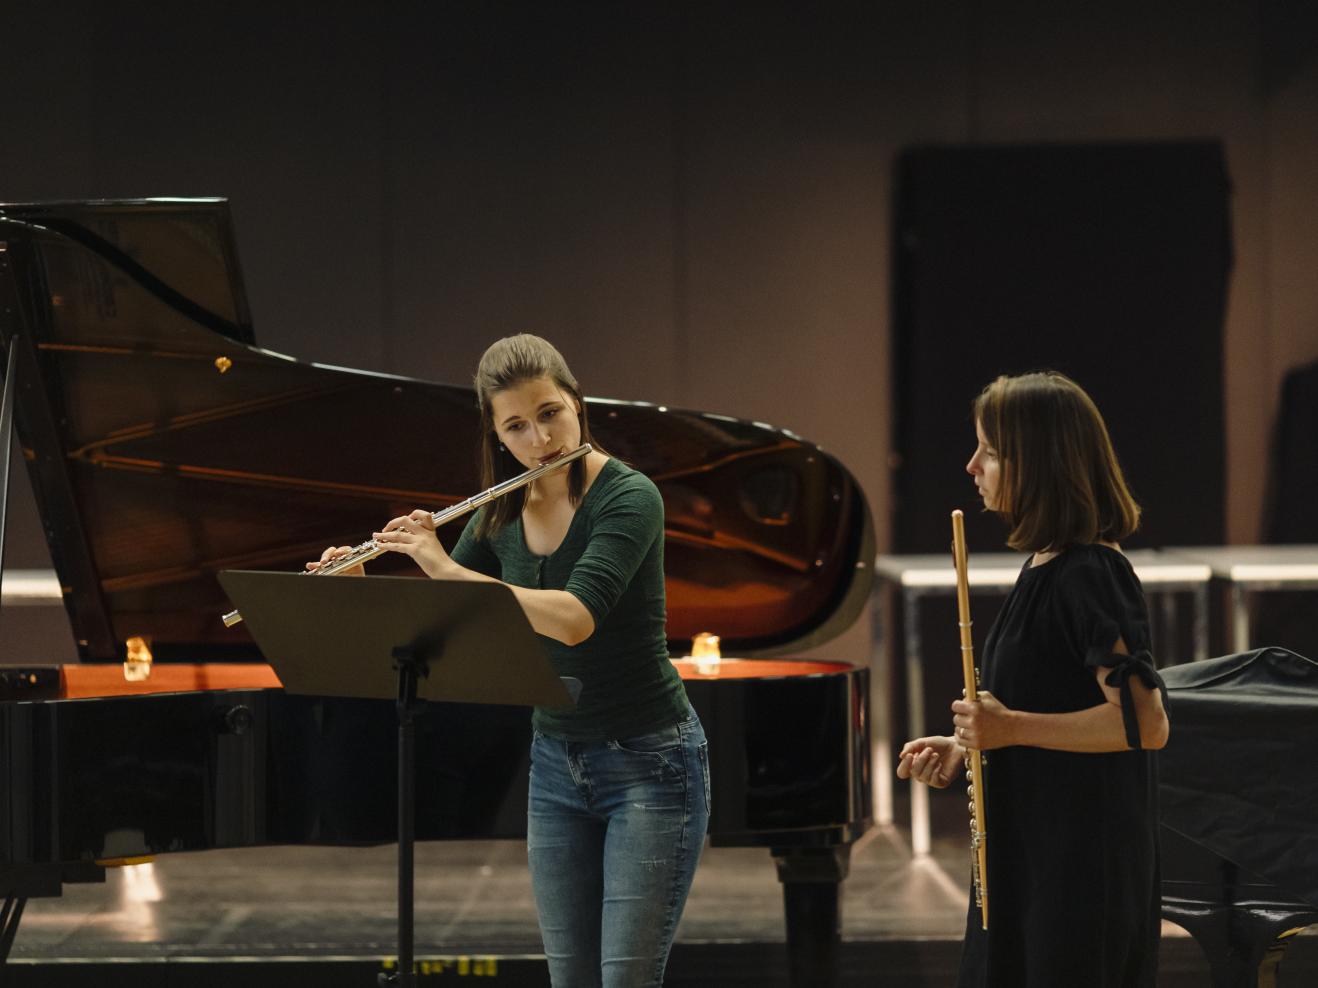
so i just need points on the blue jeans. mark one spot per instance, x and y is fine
(614, 832)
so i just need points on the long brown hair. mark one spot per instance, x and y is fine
(1060, 482)
(509, 362)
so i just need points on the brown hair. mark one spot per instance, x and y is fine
(1060, 481)
(509, 362)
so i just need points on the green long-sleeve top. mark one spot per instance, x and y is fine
(612, 560)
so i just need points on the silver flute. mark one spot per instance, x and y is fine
(370, 549)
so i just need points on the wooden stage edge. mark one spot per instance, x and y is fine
(893, 963)
(80, 681)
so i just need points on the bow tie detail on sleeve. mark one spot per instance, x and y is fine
(1124, 668)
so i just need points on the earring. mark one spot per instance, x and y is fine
(502, 448)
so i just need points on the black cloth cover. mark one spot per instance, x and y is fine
(1237, 773)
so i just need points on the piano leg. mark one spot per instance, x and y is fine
(1267, 972)
(812, 879)
(1244, 949)
(9, 917)
(1271, 960)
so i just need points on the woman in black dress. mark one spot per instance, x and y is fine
(1071, 709)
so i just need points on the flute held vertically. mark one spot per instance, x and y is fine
(976, 784)
(370, 549)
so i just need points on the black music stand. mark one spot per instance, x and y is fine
(398, 638)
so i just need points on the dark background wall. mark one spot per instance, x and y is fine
(1108, 262)
(694, 200)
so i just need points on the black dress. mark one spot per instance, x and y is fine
(1072, 838)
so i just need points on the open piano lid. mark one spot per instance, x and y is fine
(165, 446)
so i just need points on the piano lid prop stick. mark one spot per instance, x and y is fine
(370, 548)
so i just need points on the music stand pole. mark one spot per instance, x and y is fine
(411, 666)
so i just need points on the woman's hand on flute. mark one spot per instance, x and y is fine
(414, 535)
(985, 724)
(333, 553)
(935, 761)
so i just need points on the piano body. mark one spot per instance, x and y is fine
(164, 446)
(1239, 806)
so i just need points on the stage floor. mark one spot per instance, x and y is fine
(472, 897)
(297, 914)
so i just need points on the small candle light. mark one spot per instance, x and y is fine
(704, 649)
(137, 663)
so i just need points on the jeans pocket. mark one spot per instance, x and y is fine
(655, 742)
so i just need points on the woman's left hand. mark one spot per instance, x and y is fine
(984, 725)
(414, 535)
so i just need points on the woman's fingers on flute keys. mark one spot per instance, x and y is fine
(329, 555)
(398, 529)
(982, 724)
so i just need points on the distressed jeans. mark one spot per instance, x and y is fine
(614, 832)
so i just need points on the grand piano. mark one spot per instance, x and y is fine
(165, 446)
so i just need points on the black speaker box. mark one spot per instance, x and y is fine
(1289, 618)
(1106, 262)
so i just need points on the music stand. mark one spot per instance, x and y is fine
(403, 638)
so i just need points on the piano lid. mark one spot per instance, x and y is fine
(165, 446)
